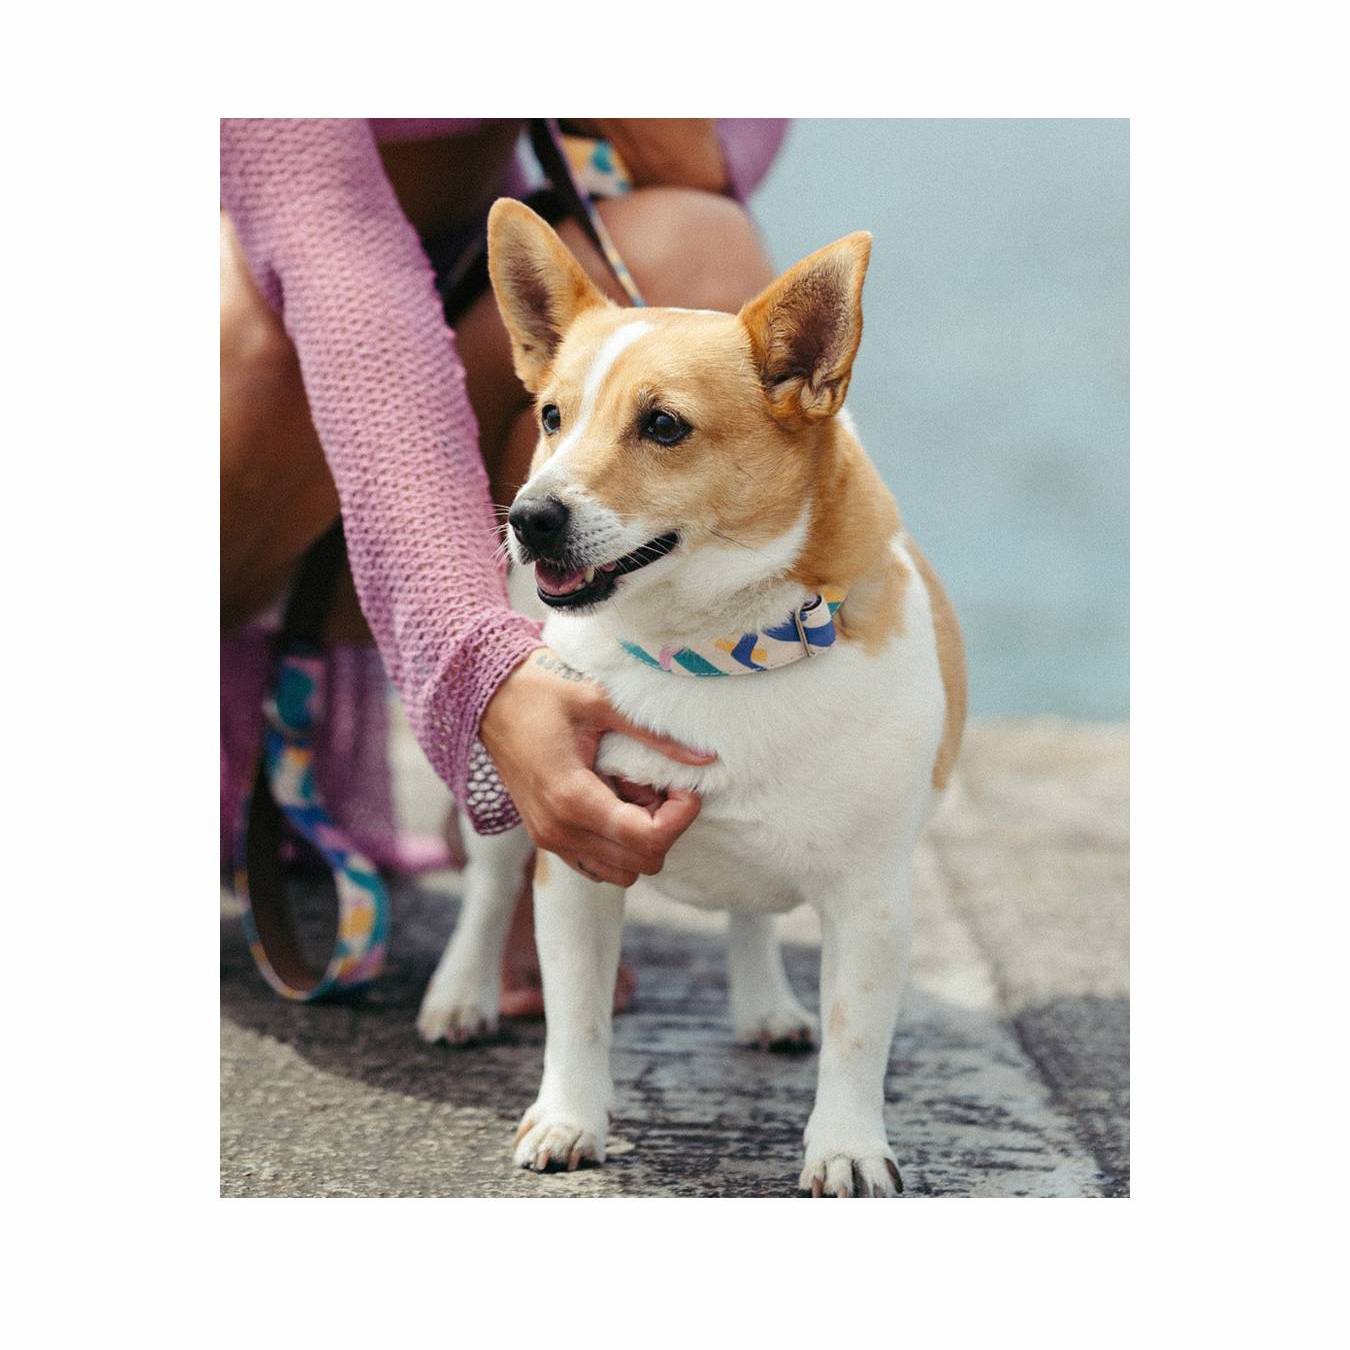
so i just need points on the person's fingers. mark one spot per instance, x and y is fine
(675, 815)
(593, 808)
(584, 818)
(640, 794)
(594, 870)
(683, 754)
(621, 865)
(659, 831)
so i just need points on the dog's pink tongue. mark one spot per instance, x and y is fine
(555, 582)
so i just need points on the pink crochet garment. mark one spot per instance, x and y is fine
(335, 256)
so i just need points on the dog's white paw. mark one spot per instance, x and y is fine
(872, 1173)
(549, 1140)
(788, 1029)
(848, 1157)
(458, 1010)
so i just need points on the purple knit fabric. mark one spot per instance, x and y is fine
(335, 256)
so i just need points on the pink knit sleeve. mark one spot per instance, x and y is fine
(332, 251)
(749, 145)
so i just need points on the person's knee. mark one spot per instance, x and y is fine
(694, 249)
(256, 355)
(276, 493)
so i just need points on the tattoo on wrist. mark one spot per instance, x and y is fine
(560, 668)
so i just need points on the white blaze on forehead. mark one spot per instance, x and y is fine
(552, 474)
(611, 349)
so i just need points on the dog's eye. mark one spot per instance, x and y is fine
(665, 428)
(550, 417)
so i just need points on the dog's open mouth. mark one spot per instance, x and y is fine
(570, 588)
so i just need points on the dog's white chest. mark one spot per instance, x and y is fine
(821, 765)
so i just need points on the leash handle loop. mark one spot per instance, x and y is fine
(284, 802)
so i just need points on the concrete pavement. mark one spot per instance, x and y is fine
(1008, 1075)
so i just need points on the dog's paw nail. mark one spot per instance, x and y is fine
(787, 1030)
(851, 1172)
(456, 1018)
(548, 1143)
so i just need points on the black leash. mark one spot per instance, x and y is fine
(545, 140)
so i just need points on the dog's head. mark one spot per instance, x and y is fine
(678, 450)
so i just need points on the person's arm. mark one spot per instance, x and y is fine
(329, 247)
(332, 252)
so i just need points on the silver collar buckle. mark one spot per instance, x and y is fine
(801, 627)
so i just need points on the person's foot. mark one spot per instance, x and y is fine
(522, 982)
(526, 999)
(410, 854)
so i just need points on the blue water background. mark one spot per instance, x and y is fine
(992, 385)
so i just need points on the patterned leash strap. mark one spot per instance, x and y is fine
(548, 142)
(284, 802)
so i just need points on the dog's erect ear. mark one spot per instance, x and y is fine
(539, 285)
(806, 327)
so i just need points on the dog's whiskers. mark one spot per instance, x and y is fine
(737, 542)
(753, 477)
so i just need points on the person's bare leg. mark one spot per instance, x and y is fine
(276, 493)
(653, 229)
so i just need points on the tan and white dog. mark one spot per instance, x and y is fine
(697, 476)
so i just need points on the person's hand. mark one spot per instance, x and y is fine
(672, 151)
(542, 728)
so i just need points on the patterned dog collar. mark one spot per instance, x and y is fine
(806, 632)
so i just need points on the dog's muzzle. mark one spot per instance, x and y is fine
(540, 524)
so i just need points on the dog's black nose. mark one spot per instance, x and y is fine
(541, 525)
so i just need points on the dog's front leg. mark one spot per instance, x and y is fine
(864, 966)
(578, 925)
(764, 1010)
(461, 1002)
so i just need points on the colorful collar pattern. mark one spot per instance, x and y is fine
(806, 632)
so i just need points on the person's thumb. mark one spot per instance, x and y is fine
(675, 815)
